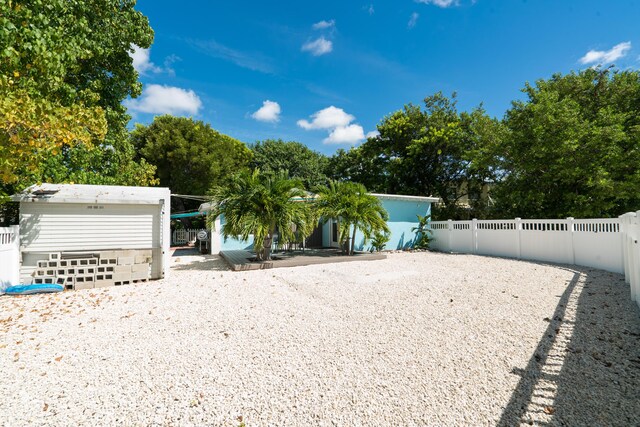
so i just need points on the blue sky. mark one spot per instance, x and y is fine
(325, 73)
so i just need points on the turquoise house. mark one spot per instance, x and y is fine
(403, 217)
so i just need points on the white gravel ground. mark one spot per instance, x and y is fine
(416, 339)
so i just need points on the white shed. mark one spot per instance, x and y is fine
(77, 219)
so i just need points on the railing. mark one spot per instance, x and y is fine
(9, 256)
(609, 244)
(184, 236)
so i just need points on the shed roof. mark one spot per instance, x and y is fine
(80, 193)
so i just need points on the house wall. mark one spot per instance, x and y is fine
(402, 218)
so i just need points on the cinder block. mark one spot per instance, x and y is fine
(48, 280)
(50, 272)
(74, 262)
(84, 262)
(93, 261)
(40, 273)
(90, 270)
(61, 280)
(61, 272)
(38, 280)
(103, 283)
(52, 264)
(143, 259)
(43, 264)
(119, 277)
(63, 263)
(140, 267)
(108, 254)
(83, 285)
(122, 268)
(70, 271)
(54, 256)
(124, 282)
(125, 260)
(139, 275)
(108, 261)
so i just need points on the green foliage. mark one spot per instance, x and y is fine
(258, 204)
(354, 208)
(432, 152)
(422, 232)
(574, 148)
(379, 241)
(190, 156)
(65, 70)
(301, 162)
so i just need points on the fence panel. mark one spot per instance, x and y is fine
(598, 243)
(461, 239)
(9, 256)
(440, 235)
(497, 238)
(546, 240)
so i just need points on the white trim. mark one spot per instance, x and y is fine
(406, 198)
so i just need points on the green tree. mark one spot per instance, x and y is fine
(65, 70)
(574, 148)
(189, 155)
(432, 152)
(258, 204)
(301, 162)
(354, 208)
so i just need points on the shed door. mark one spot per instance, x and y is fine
(80, 227)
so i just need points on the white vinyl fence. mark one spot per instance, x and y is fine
(9, 256)
(183, 236)
(607, 244)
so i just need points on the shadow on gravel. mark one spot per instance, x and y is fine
(203, 263)
(586, 368)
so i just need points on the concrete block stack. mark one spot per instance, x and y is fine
(96, 269)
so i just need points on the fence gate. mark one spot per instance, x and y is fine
(185, 236)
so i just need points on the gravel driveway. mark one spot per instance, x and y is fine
(416, 339)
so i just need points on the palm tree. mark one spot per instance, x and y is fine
(367, 214)
(258, 204)
(350, 203)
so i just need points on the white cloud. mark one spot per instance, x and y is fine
(328, 118)
(319, 46)
(370, 10)
(157, 99)
(372, 134)
(338, 123)
(413, 20)
(142, 62)
(351, 134)
(606, 56)
(322, 25)
(440, 3)
(269, 112)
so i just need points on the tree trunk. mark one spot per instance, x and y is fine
(266, 248)
(353, 239)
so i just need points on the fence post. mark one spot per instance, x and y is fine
(519, 238)
(449, 233)
(572, 249)
(474, 236)
(634, 259)
(16, 253)
(625, 245)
